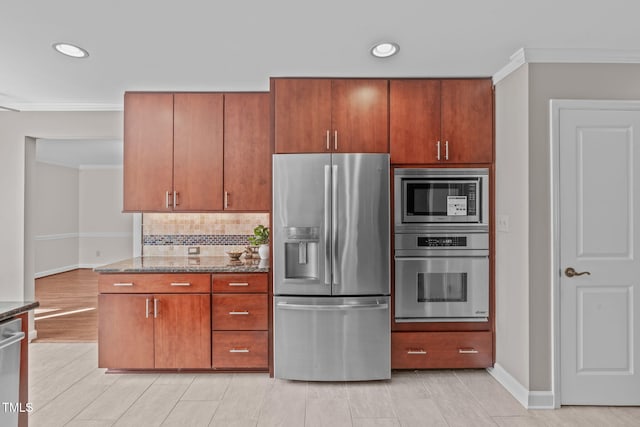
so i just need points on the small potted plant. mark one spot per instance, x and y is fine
(260, 238)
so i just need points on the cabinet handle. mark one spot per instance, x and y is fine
(123, 284)
(181, 284)
(446, 150)
(155, 308)
(146, 307)
(328, 138)
(175, 199)
(438, 153)
(467, 351)
(238, 284)
(226, 199)
(235, 313)
(335, 140)
(420, 351)
(166, 199)
(239, 350)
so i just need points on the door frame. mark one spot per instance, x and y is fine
(555, 107)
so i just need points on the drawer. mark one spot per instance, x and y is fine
(240, 312)
(237, 283)
(240, 349)
(441, 350)
(154, 283)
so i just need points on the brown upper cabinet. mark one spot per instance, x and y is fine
(247, 152)
(441, 121)
(185, 152)
(330, 115)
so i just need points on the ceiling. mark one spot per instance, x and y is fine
(205, 45)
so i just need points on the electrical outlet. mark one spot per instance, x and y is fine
(193, 250)
(503, 223)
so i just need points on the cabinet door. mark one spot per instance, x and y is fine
(125, 331)
(247, 152)
(359, 115)
(414, 120)
(182, 331)
(467, 120)
(197, 152)
(302, 115)
(148, 151)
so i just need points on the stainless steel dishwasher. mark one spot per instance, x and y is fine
(10, 337)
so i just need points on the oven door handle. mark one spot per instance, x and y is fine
(422, 258)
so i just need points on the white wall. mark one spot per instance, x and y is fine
(56, 218)
(512, 246)
(78, 218)
(105, 232)
(17, 133)
(525, 145)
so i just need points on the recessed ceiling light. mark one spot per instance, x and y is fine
(385, 49)
(70, 50)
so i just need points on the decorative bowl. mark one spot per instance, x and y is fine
(235, 256)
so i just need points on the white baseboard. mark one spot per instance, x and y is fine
(67, 268)
(528, 399)
(33, 334)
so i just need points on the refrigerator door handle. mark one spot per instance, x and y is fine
(327, 224)
(314, 307)
(334, 224)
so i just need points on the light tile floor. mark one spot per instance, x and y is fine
(67, 389)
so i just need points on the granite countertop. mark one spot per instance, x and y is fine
(171, 264)
(9, 309)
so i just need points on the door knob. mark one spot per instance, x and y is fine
(570, 272)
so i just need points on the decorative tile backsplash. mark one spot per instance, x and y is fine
(171, 234)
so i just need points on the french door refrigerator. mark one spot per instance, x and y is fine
(331, 267)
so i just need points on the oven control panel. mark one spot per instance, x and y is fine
(442, 241)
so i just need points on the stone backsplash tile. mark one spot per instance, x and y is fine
(171, 234)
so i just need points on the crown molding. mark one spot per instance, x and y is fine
(18, 107)
(568, 56)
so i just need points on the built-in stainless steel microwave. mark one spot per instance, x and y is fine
(438, 198)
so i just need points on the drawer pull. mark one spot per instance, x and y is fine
(235, 313)
(238, 284)
(420, 351)
(239, 350)
(123, 284)
(181, 284)
(467, 351)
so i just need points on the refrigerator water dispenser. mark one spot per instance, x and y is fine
(301, 252)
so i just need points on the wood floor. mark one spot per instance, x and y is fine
(68, 309)
(68, 389)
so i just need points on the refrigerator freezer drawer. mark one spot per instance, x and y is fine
(332, 339)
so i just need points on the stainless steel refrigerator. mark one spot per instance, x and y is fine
(331, 267)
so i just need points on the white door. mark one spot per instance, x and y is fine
(599, 196)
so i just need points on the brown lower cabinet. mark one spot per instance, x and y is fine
(154, 331)
(240, 321)
(182, 321)
(441, 350)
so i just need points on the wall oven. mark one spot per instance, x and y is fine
(442, 277)
(441, 199)
(441, 235)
